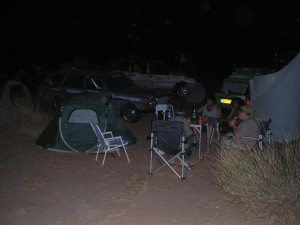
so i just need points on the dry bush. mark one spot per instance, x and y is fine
(266, 181)
(23, 116)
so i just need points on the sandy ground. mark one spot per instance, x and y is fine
(41, 187)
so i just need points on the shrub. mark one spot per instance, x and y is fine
(23, 116)
(266, 181)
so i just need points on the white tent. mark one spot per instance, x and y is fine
(277, 96)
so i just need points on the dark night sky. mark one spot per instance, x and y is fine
(213, 34)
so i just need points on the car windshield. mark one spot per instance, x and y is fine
(234, 87)
(117, 82)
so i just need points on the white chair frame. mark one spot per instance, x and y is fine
(164, 108)
(108, 144)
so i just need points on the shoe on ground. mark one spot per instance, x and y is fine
(189, 163)
(160, 151)
(172, 162)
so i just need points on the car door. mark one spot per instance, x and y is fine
(138, 73)
(160, 77)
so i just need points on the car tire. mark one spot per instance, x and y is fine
(196, 93)
(181, 89)
(130, 113)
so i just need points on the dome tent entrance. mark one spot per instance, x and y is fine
(71, 132)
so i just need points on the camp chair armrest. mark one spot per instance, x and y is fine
(252, 138)
(112, 138)
(109, 133)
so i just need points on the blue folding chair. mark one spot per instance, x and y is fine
(108, 143)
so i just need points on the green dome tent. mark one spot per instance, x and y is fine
(71, 132)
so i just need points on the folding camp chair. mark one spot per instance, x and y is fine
(167, 143)
(108, 143)
(258, 139)
(266, 131)
(212, 127)
(264, 137)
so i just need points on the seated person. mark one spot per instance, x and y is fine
(236, 103)
(189, 136)
(248, 127)
(210, 109)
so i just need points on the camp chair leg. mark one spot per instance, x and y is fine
(260, 141)
(218, 131)
(150, 163)
(213, 131)
(182, 167)
(152, 160)
(211, 135)
(269, 136)
(186, 165)
(104, 158)
(151, 153)
(126, 154)
(97, 153)
(166, 163)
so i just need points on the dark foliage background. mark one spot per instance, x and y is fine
(213, 36)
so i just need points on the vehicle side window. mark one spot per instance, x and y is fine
(234, 87)
(55, 79)
(74, 81)
(138, 67)
(157, 68)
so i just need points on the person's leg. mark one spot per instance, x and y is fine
(189, 146)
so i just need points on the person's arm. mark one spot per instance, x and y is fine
(233, 124)
(235, 132)
(200, 109)
(233, 112)
(230, 116)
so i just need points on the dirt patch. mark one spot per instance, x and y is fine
(43, 187)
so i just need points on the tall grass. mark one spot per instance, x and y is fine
(23, 116)
(266, 181)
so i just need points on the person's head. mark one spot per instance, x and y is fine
(236, 103)
(247, 112)
(210, 100)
